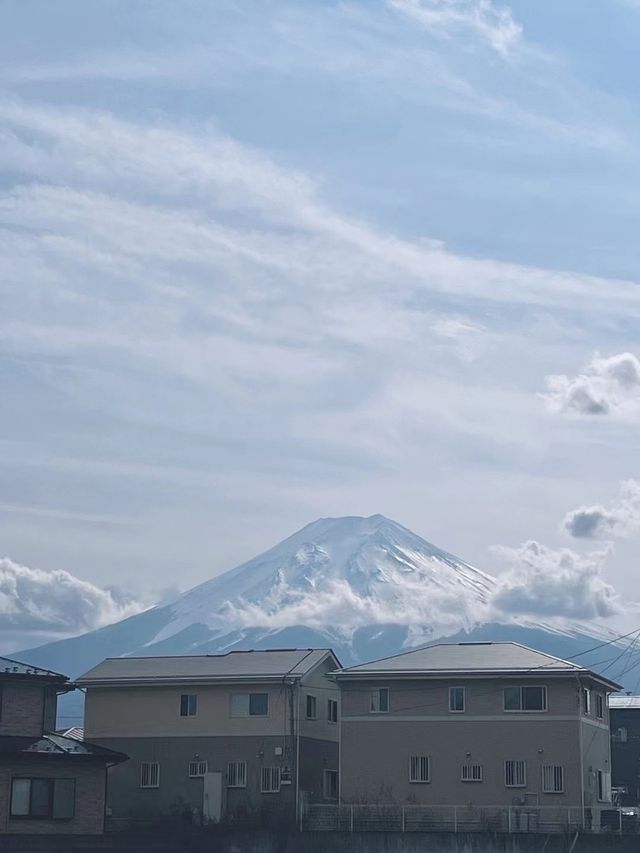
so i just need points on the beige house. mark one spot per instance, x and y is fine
(243, 736)
(49, 783)
(474, 724)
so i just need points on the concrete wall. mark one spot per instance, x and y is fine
(89, 803)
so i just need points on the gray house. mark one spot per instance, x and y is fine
(242, 736)
(624, 712)
(475, 724)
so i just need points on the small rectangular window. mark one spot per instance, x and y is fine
(250, 705)
(586, 701)
(471, 773)
(188, 705)
(332, 710)
(150, 774)
(604, 786)
(20, 797)
(43, 798)
(600, 706)
(380, 701)
(515, 773)
(237, 774)
(270, 780)
(553, 779)
(330, 784)
(419, 768)
(530, 697)
(456, 700)
(312, 707)
(197, 769)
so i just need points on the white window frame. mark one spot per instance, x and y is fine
(189, 697)
(522, 709)
(331, 716)
(586, 701)
(311, 710)
(375, 707)
(245, 699)
(472, 773)
(197, 768)
(325, 786)
(417, 766)
(518, 771)
(453, 710)
(270, 778)
(603, 783)
(553, 773)
(236, 774)
(147, 767)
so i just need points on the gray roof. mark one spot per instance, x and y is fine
(262, 665)
(468, 658)
(629, 702)
(8, 666)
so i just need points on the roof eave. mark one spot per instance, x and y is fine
(178, 681)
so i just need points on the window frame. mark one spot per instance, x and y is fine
(198, 763)
(522, 709)
(241, 776)
(419, 762)
(453, 710)
(326, 773)
(600, 706)
(603, 786)
(190, 707)
(149, 765)
(273, 772)
(51, 782)
(470, 777)
(248, 696)
(311, 709)
(379, 691)
(587, 705)
(332, 717)
(554, 768)
(522, 762)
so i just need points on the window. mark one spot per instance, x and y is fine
(332, 710)
(586, 700)
(330, 784)
(270, 780)
(250, 705)
(599, 706)
(419, 768)
(188, 705)
(43, 798)
(237, 774)
(197, 769)
(149, 774)
(312, 707)
(620, 735)
(515, 773)
(604, 786)
(380, 701)
(456, 700)
(526, 698)
(471, 773)
(553, 779)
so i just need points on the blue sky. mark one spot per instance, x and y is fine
(265, 262)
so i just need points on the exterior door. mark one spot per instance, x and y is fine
(212, 798)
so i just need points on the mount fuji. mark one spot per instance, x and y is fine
(367, 587)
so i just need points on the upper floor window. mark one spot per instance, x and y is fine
(526, 698)
(456, 699)
(380, 700)
(43, 798)
(619, 735)
(419, 768)
(250, 705)
(197, 769)
(150, 774)
(332, 710)
(312, 707)
(586, 700)
(553, 779)
(471, 773)
(515, 773)
(600, 706)
(188, 705)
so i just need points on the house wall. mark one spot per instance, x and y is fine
(89, 803)
(596, 750)
(625, 756)
(317, 684)
(22, 708)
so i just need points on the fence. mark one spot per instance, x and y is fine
(514, 819)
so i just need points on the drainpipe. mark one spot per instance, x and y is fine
(582, 803)
(297, 718)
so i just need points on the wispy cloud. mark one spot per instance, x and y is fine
(600, 522)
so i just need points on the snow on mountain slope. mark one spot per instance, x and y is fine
(337, 575)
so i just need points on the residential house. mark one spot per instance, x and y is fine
(49, 783)
(242, 736)
(624, 712)
(474, 724)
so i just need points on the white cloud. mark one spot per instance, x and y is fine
(493, 24)
(598, 522)
(608, 386)
(56, 602)
(544, 582)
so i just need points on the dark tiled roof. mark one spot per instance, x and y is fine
(8, 666)
(57, 745)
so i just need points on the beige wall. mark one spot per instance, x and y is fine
(22, 709)
(317, 684)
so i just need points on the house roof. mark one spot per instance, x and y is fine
(236, 666)
(58, 745)
(627, 702)
(8, 666)
(471, 659)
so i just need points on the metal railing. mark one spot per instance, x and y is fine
(507, 819)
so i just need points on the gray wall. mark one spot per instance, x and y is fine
(27, 708)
